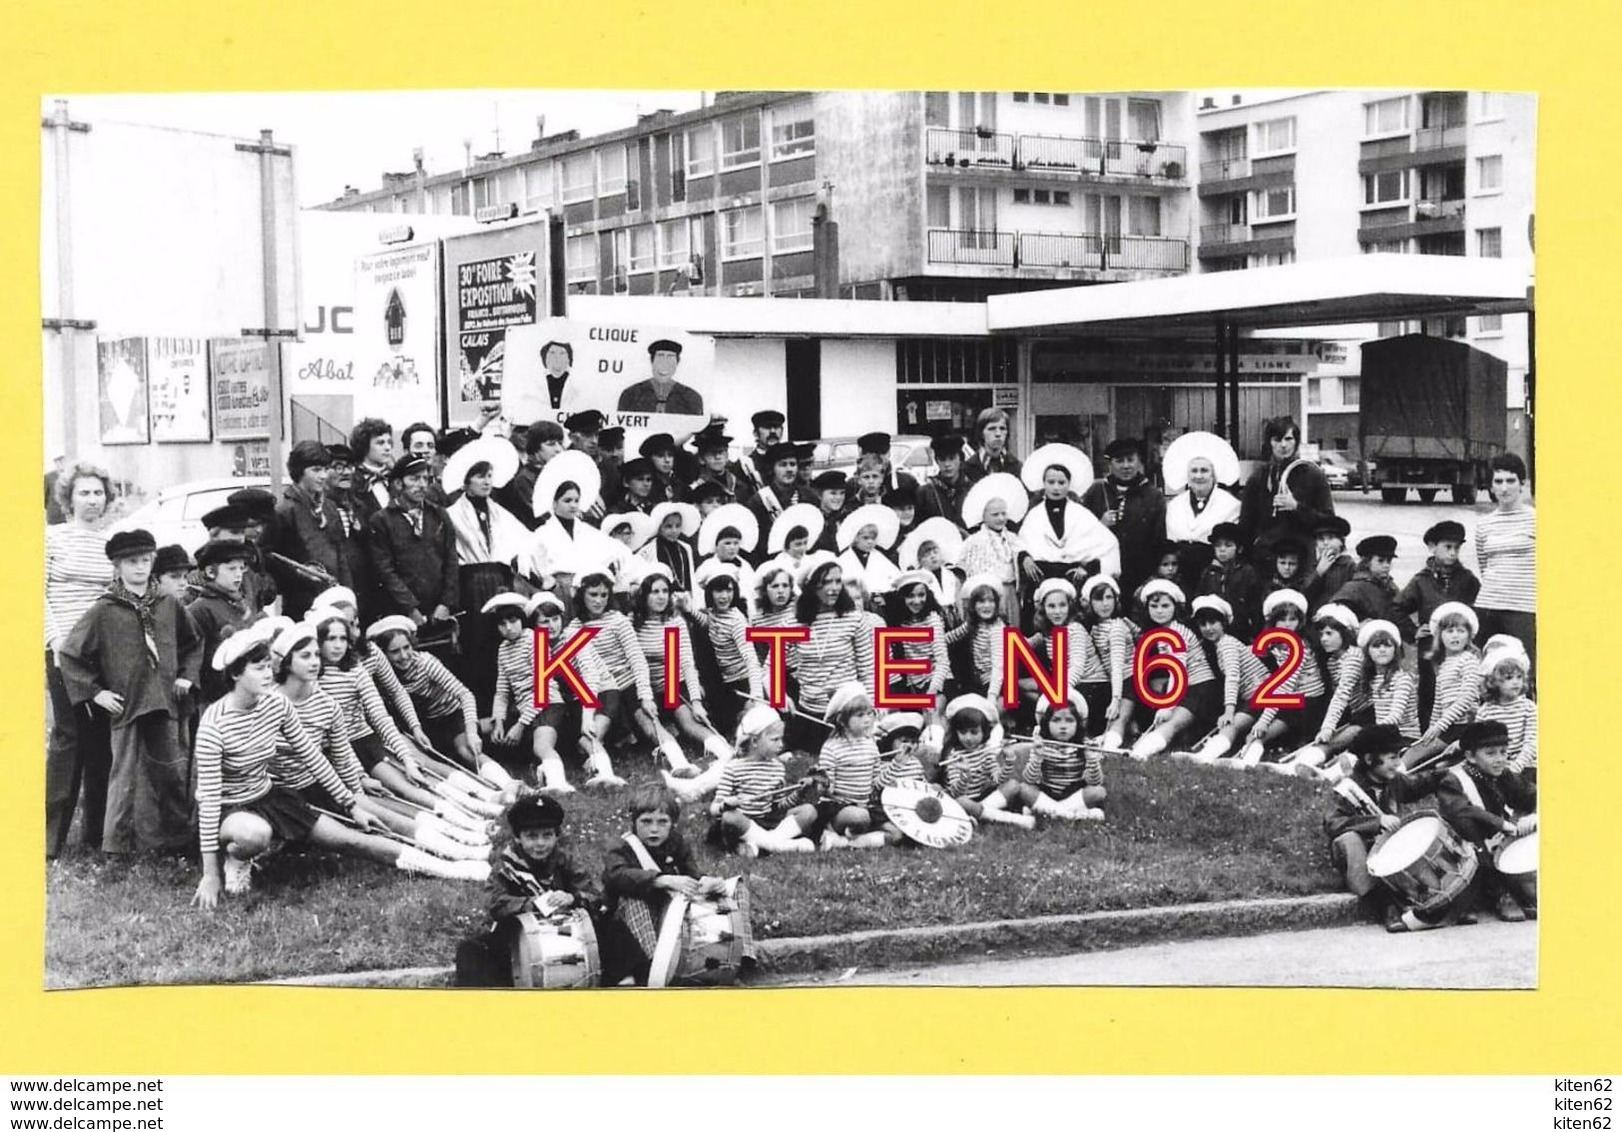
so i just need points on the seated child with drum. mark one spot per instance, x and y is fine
(651, 862)
(1364, 807)
(898, 734)
(1494, 807)
(755, 809)
(534, 875)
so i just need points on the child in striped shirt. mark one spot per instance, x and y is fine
(849, 761)
(898, 734)
(1504, 666)
(975, 646)
(973, 772)
(1457, 668)
(655, 616)
(1377, 692)
(615, 655)
(725, 623)
(911, 605)
(1240, 670)
(754, 810)
(1331, 640)
(1287, 609)
(1058, 780)
(515, 691)
(1201, 706)
(1112, 636)
(449, 715)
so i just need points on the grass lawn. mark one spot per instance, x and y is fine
(1176, 834)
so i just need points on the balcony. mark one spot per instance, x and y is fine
(1428, 216)
(1225, 169)
(1225, 234)
(1051, 153)
(1438, 209)
(1439, 137)
(1079, 251)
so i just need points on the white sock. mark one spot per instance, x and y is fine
(1215, 748)
(1004, 817)
(717, 747)
(1112, 741)
(1047, 807)
(1148, 745)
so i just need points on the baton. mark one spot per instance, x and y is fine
(791, 711)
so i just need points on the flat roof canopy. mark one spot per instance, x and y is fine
(785, 318)
(1331, 292)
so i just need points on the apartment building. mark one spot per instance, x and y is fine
(1311, 175)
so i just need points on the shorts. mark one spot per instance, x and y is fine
(1301, 724)
(1096, 695)
(553, 715)
(721, 834)
(828, 809)
(442, 733)
(1204, 702)
(1061, 795)
(320, 798)
(618, 706)
(288, 815)
(370, 751)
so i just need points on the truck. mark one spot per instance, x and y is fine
(1432, 414)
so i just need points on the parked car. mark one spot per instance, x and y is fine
(176, 513)
(1342, 472)
(910, 454)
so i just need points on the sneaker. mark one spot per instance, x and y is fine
(1508, 910)
(604, 781)
(744, 849)
(832, 840)
(686, 770)
(238, 875)
(1393, 919)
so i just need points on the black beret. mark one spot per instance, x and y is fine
(585, 422)
(454, 439)
(1332, 525)
(805, 453)
(1483, 733)
(1228, 531)
(1383, 545)
(831, 481)
(170, 559)
(874, 443)
(1445, 531)
(611, 438)
(339, 454)
(705, 489)
(1289, 544)
(711, 440)
(409, 466)
(128, 544)
(768, 418)
(660, 443)
(227, 518)
(1124, 446)
(903, 496)
(664, 344)
(307, 454)
(535, 811)
(218, 550)
(1377, 740)
(256, 501)
(949, 445)
(780, 451)
(640, 466)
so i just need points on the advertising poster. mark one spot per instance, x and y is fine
(641, 378)
(178, 368)
(396, 304)
(239, 371)
(495, 299)
(121, 386)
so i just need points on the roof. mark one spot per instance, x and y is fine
(1328, 292)
(790, 318)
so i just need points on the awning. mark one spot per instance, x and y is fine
(1333, 292)
(784, 318)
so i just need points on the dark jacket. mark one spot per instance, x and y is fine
(1322, 588)
(1403, 789)
(1371, 597)
(518, 494)
(1313, 501)
(623, 874)
(1430, 588)
(517, 880)
(413, 571)
(1142, 527)
(1237, 584)
(216, 615)
(310, 534)
(1503, 798)
(106, 651)
(939, 499)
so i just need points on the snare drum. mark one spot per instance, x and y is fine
(1518, 858)
(556, 952)
(1424, 862)
(703, 942)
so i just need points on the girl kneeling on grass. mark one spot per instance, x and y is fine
(1059, 779)
(615, 668)
(240, 811)
(753, 810)
(1112, 636)
(969, 761)
(1332, 640)
(656, 611)
(341, 600)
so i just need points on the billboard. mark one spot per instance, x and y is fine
(239, 373)
(397, 321)
(495, 301)
(121, 390)
(177, 370)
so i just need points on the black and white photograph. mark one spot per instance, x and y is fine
(553, 539)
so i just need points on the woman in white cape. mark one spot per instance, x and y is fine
(1195, 466)
(1060, 536)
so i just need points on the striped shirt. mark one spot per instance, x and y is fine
(748, 781)
(985, 652)
(389, 687)
(896, 768)
(1351, 690)
(1242, 672)
(932, 650)
(733, 653)
(515, 681)
(1081, 659)
(1306, 681)
(852, 766)
(776, 620)
(324, 723)
(234, 751)
(650, 637)
(972, 774)
(77, 570)
(1055, 769)
(1506, 550)
(1192, 656)
(1396, 701)
(840, 650)
(356, 695)
(1112, 641)
(613, 660)
(1520, 715)
(437, 693)
(1458, 691)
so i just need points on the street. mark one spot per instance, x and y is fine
(1407, 522)
(1486, 955)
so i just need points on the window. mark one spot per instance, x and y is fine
(1391, 329)
(1386, 247)
(538, 186)
(1490, 243)
(577, 178)
(1351, 393)
(1388, 116)
(1041, 97)
(1385, 188)
(791, 224)
(439, 201)
(1315, 392)
(1143, 216)
(701, 150)
(1273, 259)
(1490, 324)
(459, 200)
(1490, 108)
(1489, 174)
(741, 236)
(794, 130)
(1061, 100)
(938, 207)
(673, 243)
(1022, 96)
(740, 141)
(580, 257)
(1022, 196)
(1142, 119)
(1040, 196)
(639, 254)
(611, 171)
(1275, 136)
(1273, 204)
(486, 191)
(1061, 197)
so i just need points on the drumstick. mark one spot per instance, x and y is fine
(1439, 756)
(791, 711)
(382, 831)
(1092, 746)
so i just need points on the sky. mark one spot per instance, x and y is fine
(352, 138)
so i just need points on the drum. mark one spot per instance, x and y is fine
(703, 942)
(556, 952)
(1424, 862)
(1519, 857)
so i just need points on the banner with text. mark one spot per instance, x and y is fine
(495, 298)
(239, 371)
(178, 370)
(396, 322)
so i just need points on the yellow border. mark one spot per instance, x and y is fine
(1557, 50)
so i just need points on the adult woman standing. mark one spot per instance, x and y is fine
(1195, 467)
(992, 452)
(76, 572)
(840, 648)
(489, 538)
(1506, 551)
(563, 546)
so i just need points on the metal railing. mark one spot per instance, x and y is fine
(1058, 249)
(1225, 169)
(1438, 208)
(1084, 251)
(310, 425)
(973, 245)
(1162, 161)
(1145, 253)
(1224, 233)
(1438, 137)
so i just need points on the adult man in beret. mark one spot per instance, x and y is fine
(661, 392)
(753, 468)
(308, 531)
(712, 444)
(1132, 508)
(783, 491)
(413, 549)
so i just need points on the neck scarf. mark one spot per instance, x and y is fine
(142, 604)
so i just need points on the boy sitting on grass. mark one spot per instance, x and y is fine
(533, 875)
(652, 861)
(1487, 803)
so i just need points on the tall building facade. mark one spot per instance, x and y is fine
(1312, 175)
